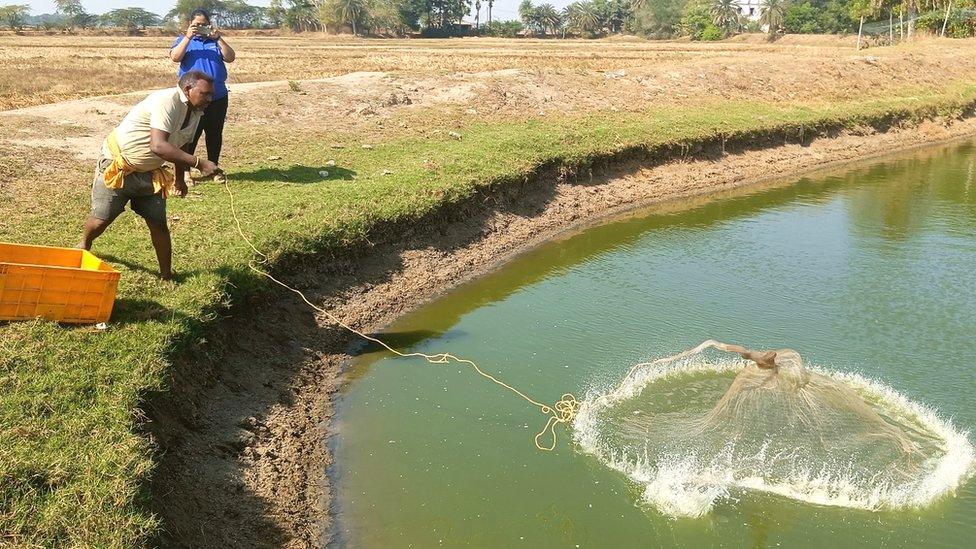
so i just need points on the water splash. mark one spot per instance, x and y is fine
(692, 431)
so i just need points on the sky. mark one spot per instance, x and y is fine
(503, 9)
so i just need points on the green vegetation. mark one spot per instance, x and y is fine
(772, 13)
(14, 16)
(697, 22)
(130, 18)
(582, 18)
(71, 466)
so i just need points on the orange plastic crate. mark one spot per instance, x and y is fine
(60, 284)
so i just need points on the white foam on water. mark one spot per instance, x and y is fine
(690, 484)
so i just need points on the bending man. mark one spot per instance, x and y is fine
(131, 170)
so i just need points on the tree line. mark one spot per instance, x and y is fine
(698, 19)
(719, 19)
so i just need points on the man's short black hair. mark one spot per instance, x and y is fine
(190, 78)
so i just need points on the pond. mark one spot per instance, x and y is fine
(870, 270)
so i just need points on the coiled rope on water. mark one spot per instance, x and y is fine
(562, 411)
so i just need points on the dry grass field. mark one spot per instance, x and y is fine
(413, 128)
(41, 69)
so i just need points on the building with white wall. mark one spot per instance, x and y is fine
(750, 9)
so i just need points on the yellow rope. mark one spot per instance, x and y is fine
(563, 411)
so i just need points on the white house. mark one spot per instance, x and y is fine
(750, 9)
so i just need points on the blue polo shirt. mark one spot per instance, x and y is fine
(203, 54)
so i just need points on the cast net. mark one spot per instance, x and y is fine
(695, 428)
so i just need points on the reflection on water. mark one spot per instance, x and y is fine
(868, 270)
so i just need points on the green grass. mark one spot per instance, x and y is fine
(72, 468)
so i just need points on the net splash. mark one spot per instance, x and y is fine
(691, 431)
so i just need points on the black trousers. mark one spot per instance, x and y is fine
(212, 122)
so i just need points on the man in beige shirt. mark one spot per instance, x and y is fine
(130, 168)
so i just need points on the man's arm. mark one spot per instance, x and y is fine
(161, 147)
(182, 160)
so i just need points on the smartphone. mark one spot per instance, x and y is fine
(203, 30)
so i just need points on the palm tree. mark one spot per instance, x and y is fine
(527, 13)
(771, 14)
(548, 18)
(351, 12)
(582, 17)
(571, 16)
(490, 4)
(725, 15)
(477, 14)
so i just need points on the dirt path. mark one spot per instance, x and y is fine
(86, 122)
(246, 430)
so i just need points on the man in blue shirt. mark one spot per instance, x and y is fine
(204, 49)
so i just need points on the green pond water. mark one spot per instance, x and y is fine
(870, 270)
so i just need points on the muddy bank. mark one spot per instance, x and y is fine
(243, 433)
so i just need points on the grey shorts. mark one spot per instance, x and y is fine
(137, 190)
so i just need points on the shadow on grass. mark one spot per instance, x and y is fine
(131, 311)
(178, 276)
(295, 174)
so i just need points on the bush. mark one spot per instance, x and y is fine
(801, 18)
(931, 21)
(696, 20)
(961, 27)
(833, 16)
(505, 29)
(711, 33)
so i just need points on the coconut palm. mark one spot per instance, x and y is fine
(477, 14)
(725, 15)
(350, 12)
(771, 15)
(490, 4)
(302, 15)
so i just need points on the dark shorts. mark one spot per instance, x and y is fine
(137, 191)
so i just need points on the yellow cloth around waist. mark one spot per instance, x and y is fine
(114, 175)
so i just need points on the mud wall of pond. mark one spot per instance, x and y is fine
(240, 429)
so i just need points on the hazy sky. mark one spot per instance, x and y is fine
(504, 9)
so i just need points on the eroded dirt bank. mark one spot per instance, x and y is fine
(243, 434)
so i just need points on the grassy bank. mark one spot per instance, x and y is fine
(72, 469)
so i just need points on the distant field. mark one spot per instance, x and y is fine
(46, 68)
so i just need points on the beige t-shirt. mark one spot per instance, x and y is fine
(163, 110)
